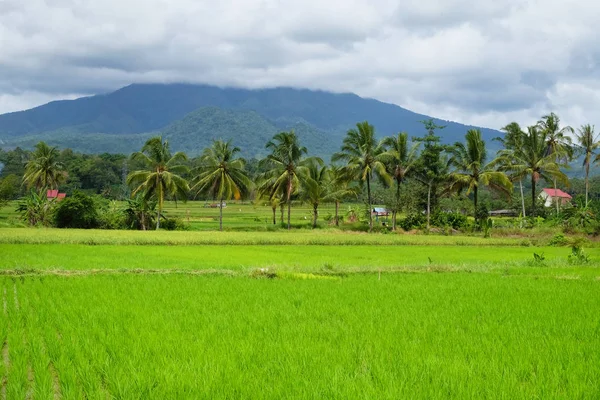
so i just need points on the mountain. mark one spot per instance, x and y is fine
(190, 116)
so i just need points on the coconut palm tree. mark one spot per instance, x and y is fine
(315, 187)
(513, 139)
(558, 143)
(470, 168)
(362, 153)
(588, 141)
(399, 159)
(339, 182)
(44, 170)
(222, 175)
(284, 163)
(532, 159)
(160, 178)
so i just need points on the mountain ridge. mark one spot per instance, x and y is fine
(142, 109)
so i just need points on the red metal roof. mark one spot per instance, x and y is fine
(557, 193)
(52, 194)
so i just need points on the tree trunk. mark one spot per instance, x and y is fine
(557, 198)
(143, 220)
(281, 208)
(337, 218)
(315, 215)
(532, 196)
(428, 205)
(158, 219)
(370, 207)
(289, 202)
(221, 215)
(475, 203)
(274, 208)
(397, 207)
(587, 183)
(522, 197)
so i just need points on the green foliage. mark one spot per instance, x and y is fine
(77, 211)
(449, 219)
(174, 224)
(37, 210)
(9, 187)
(539, 260)
(412, 221)
(558, 239)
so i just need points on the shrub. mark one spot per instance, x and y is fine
(452, 219)
(412, 221)
(77, 211)
(174, 224)
(558, 240)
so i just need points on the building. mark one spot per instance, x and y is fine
(54, 194)
(552, 196)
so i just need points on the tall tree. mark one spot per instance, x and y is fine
(315, 188)
(399, 158)
(44, 170)
(431, 168)
(339, 182)
(533, 160)
(362, 153)
(160, 177)
(284, 164)
(221, 174)
(512, 140)
(588, 141)
(470, 168)
(558, 142)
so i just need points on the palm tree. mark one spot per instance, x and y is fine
(285, 163)
(558, 143)
(44, 171)
(315, 188)
(222, 175)
(340, 188)
(399, 159)
(513, 139)
(588, 142)
(362, 153)
(532, 159)
(160, 178)
(470, 168)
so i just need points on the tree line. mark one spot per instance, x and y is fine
(152, 175)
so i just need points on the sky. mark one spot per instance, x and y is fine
(485, 62)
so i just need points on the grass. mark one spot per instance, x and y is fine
(295, 237)
(245, 258)
(429, 336)
(154, 315)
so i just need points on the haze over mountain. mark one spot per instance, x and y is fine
(191, 116)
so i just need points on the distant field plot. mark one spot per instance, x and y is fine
(244, 259)
(429, 336)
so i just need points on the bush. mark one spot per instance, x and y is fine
(412, 221)
(174, 224)
(77, 211)
(454, 220)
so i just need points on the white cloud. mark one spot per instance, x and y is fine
(484, 63)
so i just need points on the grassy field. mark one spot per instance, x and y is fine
(302, 314)
(429, 336)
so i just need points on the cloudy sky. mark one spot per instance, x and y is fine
(485, 62)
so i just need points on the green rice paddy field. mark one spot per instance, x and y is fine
(301, 314)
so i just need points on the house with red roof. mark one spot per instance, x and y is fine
(54, 194)
(552, 196)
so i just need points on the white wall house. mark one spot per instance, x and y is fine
(550, 197)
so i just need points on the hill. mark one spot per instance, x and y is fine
(192, 115)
